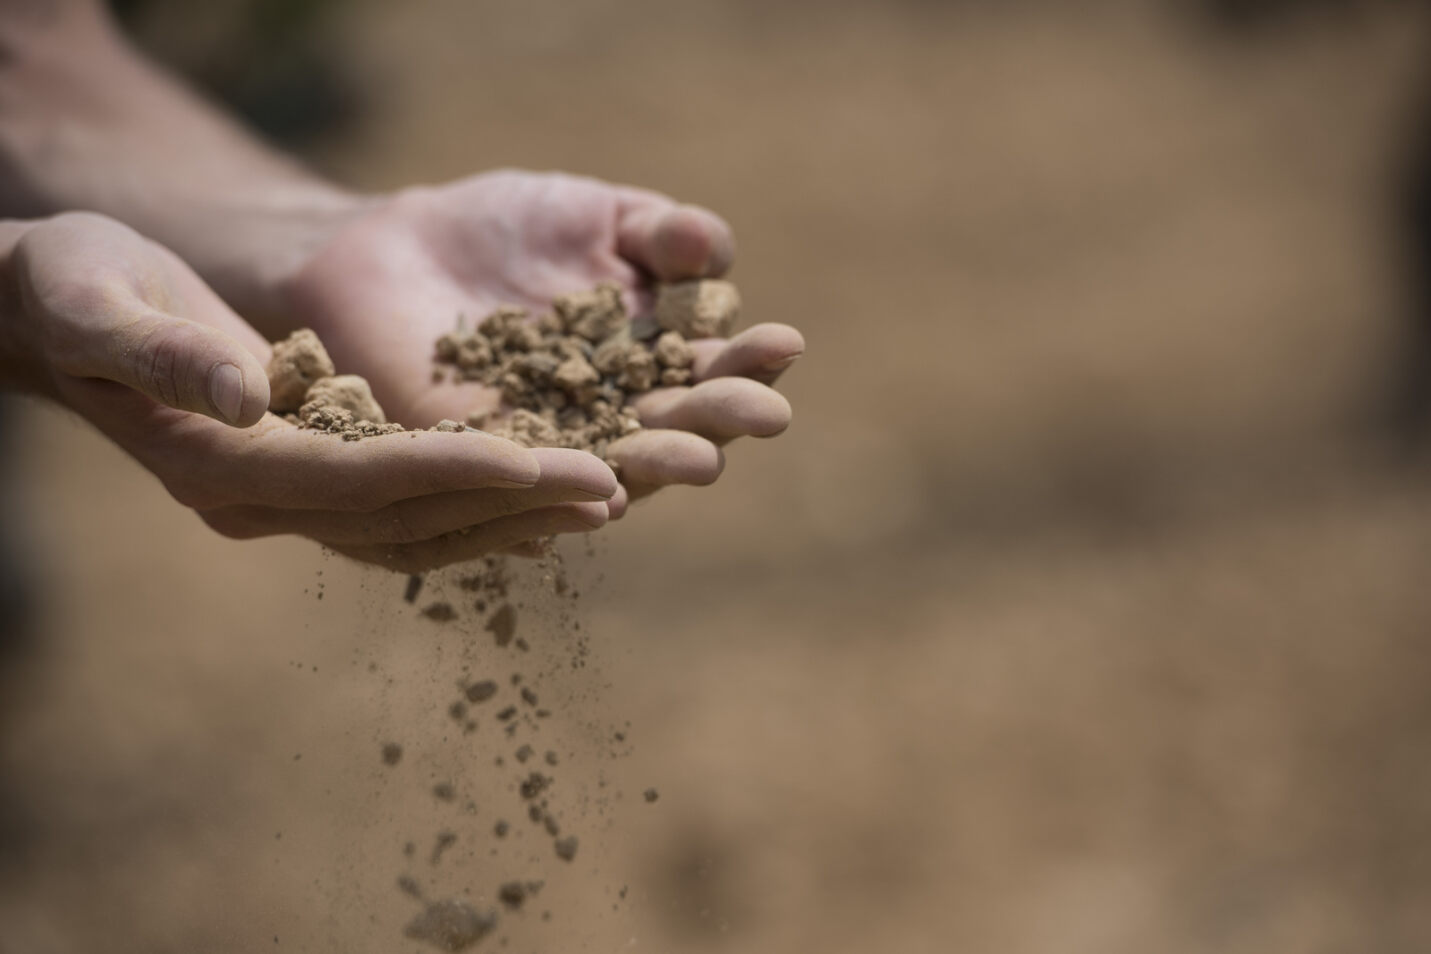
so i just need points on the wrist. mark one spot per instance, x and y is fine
(90, 124)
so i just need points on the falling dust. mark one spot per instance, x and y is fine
(522, 656)
(567, 378)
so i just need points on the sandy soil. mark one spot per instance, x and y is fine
(1078, 610)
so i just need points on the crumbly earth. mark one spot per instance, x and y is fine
(567, 376)
(303, 386)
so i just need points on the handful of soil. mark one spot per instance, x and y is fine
(567, 376)
(570, 374)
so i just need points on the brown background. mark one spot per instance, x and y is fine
(1082, 609)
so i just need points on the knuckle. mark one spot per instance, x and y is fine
(160, 358)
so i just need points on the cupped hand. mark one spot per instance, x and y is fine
(393, 279)
(123, 332)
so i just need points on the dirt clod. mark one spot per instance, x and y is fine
(705, 308)
(298, 362)
(350, 392)
(565, 847)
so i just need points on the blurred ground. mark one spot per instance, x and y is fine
(1081, 609)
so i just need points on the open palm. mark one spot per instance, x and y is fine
(387, 284)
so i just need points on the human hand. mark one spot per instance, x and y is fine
(390, 281)
(122, 331)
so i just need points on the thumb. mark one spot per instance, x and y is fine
(182, 364)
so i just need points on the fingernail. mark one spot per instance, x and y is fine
(780, 364)
(226, 391)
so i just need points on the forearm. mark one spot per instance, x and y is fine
(86, 123)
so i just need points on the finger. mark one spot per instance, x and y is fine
(666, 457)
(567, 476)
(672, 241)
(495, 535)
(119, 308)
(616, 506)
(179, 363)
(289, 467)
(761, 352)
(635, 492)
(205, 465)
(720, 409)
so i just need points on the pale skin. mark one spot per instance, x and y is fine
(86, 123)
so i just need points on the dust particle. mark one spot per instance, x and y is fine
(512, 894)
(565, 847)
(481, 691)
(651, 795)
(534, 785)
(503, 624)
(392, 753)
(440, 612)
(451, 925)
(445, 840)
